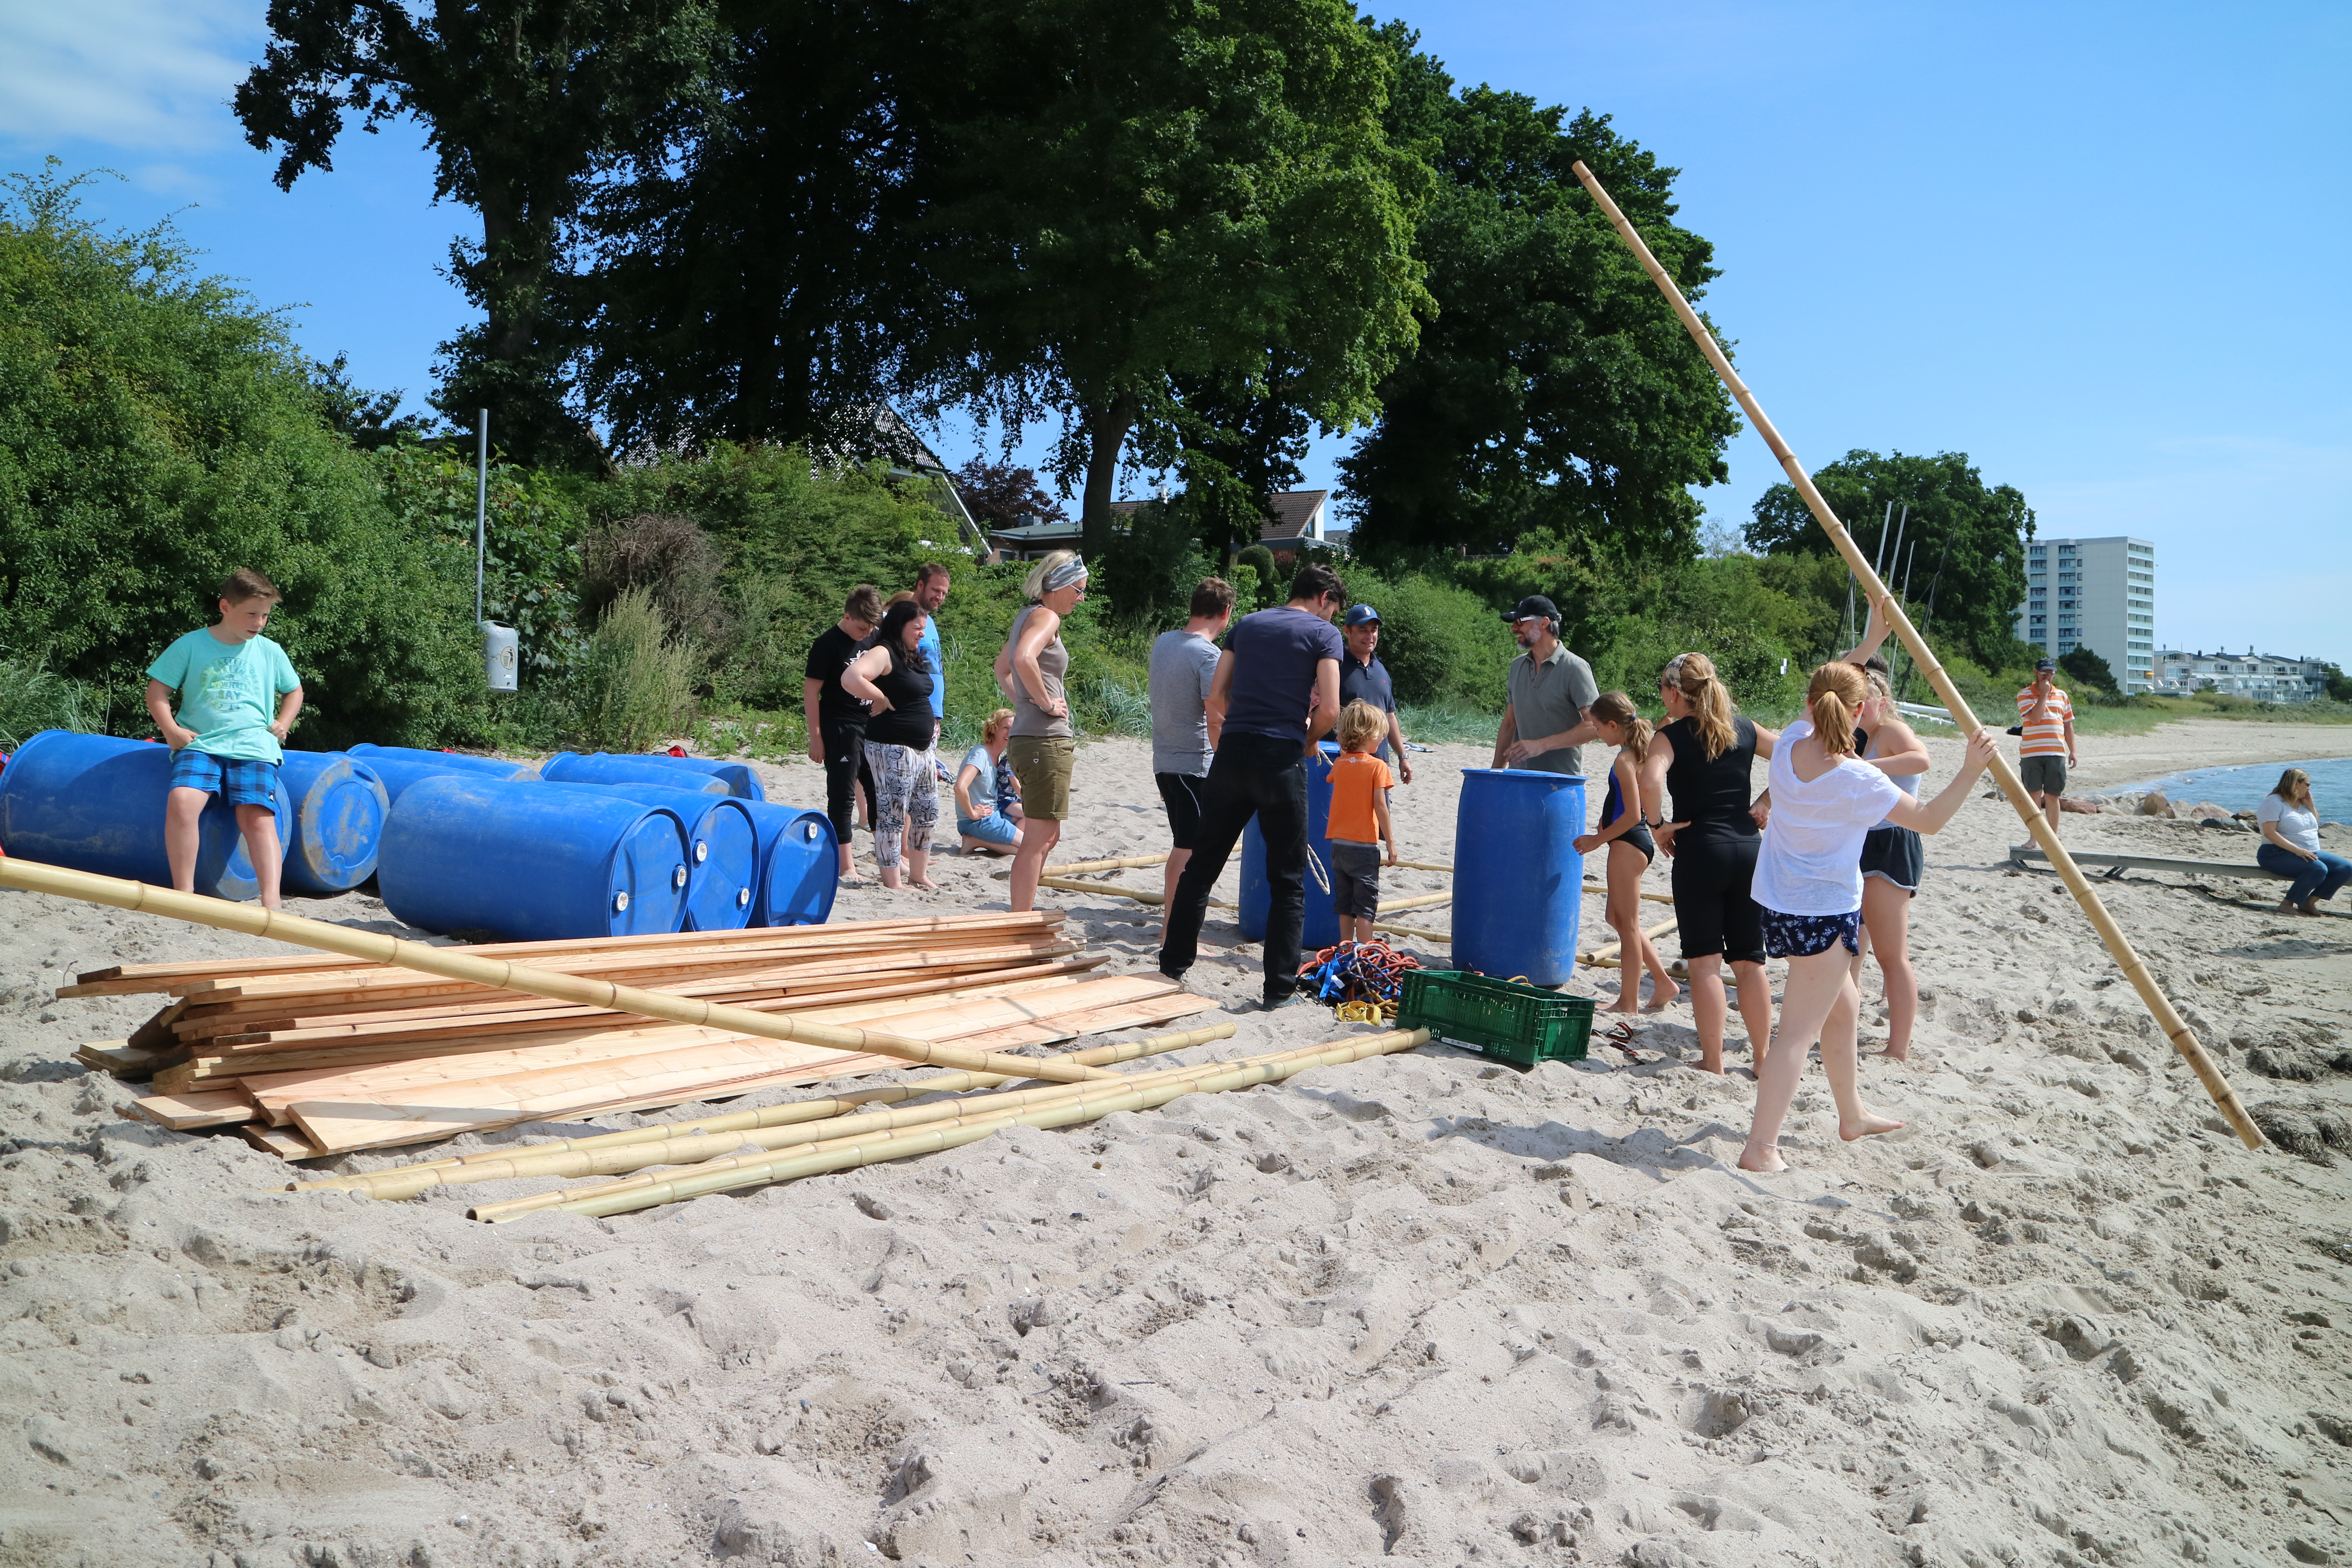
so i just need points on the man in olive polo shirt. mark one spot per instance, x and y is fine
(1544, 724)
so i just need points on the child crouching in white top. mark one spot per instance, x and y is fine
(1808, 883)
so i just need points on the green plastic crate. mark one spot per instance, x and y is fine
(1522, 1024)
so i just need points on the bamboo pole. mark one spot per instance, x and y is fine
(2134, 969)
(1647, 897)
(1152, 895)
(705, 1154)
(1443, 936)
(1425, 866)
(893, 1145)
(498, 1164)
(454, 963)
(1122, 863)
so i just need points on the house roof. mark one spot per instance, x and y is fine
(1293, 512)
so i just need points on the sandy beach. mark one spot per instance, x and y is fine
(1423, 1308)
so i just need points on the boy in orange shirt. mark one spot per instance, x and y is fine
(1361, 782)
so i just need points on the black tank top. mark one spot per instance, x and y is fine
(907, 685)
(1710, 796)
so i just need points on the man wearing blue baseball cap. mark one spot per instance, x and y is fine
(1364, 679)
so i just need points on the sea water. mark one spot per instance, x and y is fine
(2241, 789)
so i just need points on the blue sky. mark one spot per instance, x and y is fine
(2100, 249)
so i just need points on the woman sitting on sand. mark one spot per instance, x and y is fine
(1703, 757)
(1029, 670)
(1631, 850)
(894, 677)
(2290, 845)
(1807, 886)
(980, 817)
(1892, 863)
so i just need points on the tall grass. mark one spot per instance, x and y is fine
(636, 683)
(34, 698)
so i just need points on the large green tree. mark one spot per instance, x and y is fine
(1964, 543)
(157, 431)
(1555, 390)
(764, 285)
(521, 101)
(1136, 190)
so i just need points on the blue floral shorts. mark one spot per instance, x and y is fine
(1802, 936)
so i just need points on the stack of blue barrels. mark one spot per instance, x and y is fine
(583, 847)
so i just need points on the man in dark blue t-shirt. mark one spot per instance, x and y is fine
(1277, 685)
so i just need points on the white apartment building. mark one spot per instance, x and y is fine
(2263, 678)
(2098, 594)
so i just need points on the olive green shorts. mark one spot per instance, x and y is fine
(1043, 765)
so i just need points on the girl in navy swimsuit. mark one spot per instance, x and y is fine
(1631, 850)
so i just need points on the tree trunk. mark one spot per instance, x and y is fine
(1107, 429)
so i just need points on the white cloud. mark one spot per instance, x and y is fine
(139, 74)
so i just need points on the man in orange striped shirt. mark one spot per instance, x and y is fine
(2046, 721)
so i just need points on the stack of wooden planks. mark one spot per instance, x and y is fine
(318, 1055)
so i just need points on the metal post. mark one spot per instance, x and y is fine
(481, 507)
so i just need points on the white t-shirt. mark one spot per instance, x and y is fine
(2296, 826)
(1810, 862)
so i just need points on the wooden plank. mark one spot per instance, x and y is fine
(452, 1028)
(227, 1023)
(185, 1112)
(444, 1058)
(670, 1078)
(2027, 857)
(276, 1093)
(125, 1060)
(282, 1141)
(137, 978)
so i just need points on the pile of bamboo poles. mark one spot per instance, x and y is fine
(312, 1055)
(807, 1138)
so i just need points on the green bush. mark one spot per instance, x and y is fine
(636, 682)
(157, 430)
(1267, 586)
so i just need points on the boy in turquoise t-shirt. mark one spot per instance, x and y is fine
(231, 680)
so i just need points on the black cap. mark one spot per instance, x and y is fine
(2040, 664)
(1533, 607)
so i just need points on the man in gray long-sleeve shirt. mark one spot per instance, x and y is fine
(1184, 726)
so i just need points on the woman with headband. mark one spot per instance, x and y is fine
(1703, 756)
(1030, 671)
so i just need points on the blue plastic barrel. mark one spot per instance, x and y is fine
(799, 866)
(530, 864)
(95, 804)
(397, 771)
(722, 884)
(1322, 927)
(496, 767)
(338, 810)
(1518, 882)
(742, 782)
(603, 768)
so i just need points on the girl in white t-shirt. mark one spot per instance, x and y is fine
(2290, 845)
(1808, 883)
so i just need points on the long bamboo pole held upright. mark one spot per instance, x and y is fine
(2167, 1018)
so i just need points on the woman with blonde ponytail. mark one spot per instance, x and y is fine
(1703, 757)
(1807, 886)
(1631, 850)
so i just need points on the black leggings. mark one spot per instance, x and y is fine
(1712, 910)
(845, 770)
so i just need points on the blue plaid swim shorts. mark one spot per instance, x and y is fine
(240, 780)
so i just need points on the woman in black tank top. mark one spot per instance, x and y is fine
(1712, 834)
(895, 679)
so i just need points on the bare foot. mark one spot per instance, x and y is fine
(1628, 1004)
(1766, 1164)
(1660, 1001)
(1870, 1124)
(926, 885)
(1895, 1053)
(1711, 1061)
